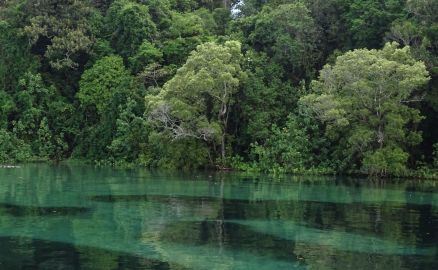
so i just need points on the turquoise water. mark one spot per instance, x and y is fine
(78, 217)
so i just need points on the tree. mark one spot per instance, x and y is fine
(368, 20)
(266, 90)
(147, 54)
(420, 31)
(103, 89)
(129, 24)
(426, 10)
(186, 31)
(59, 30)
(364, 101)
(102, 4)
(131, 136)
(435, 156)
(196, 102)
(100, 84)
(15, 57)
(328, 16)
(13, 149)
(289, 34)
(7, 106)
(286, 149)
(34, 121)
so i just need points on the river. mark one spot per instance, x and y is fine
(81, 217)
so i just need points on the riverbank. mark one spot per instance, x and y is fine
(424, 173)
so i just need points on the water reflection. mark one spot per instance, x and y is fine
(87, 218)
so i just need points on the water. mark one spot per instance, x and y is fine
(67, 217)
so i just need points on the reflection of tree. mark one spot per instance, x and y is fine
(139, 219)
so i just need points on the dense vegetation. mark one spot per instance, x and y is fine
(302, 86)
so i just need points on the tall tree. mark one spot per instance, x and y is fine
(103, 89)
(196, 102)
(364, 100)
(129, 25)
(59, 30)
(368, 20)
(289, 34)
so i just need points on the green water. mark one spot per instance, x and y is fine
(67, 217)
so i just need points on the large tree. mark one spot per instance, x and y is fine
(99, 85)
(104, 90)
(129, 25)
(364, 100)
(59, 30)
(369, 20)
(290, 36)
(196, 102)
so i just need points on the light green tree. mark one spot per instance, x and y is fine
(364, 101)
(196, 102)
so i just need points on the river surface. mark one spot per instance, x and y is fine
(79, 217)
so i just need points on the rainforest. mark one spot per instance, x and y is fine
(279, 86)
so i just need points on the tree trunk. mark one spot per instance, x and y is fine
(226, 3)
(223, 146)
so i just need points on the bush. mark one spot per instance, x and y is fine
(13, 149)
(386, 161)
(286, 150)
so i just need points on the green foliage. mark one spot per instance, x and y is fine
(13, 149)
(288, 34)
(44, 140)
(104, 89)
(101, 48)
(36, 105)
(163, 152)
(131, 135)
(287, 149)
(147, 54)
(226, 84)
(264, 88)
(296, 147)
(160, 11)
(221, 20)
(386, 160)
(328, 15)
(7, 106)
(362, 100)
(101, 83)
(369, 20)
(15, 57)
(185, 33)
(435, 155)
(129, 24)
(58, 30)
(196, 102)
(183, 5)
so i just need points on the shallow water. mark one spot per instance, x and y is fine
(78, 217)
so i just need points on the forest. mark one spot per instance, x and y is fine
(275, 86)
